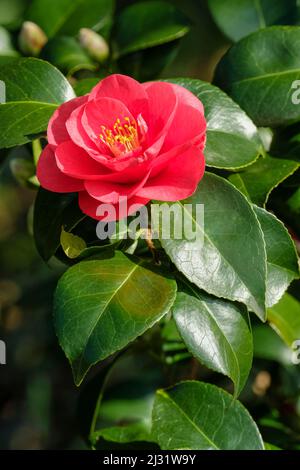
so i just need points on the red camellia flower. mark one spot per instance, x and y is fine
(125, 139)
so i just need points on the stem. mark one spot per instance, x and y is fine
(151, 246)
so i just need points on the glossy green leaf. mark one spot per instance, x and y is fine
(258, 181)
(282, 260)
(216, 332)
(238, 18)
(258, 73)
(102, 305)
(148, 24)
(232, 138)
(200, 416)
(20, 121)
(226, 257)
(268, 345)
(52, 211)
(96, 250)
(34, 80)
(34, 89)
(8, 59)
(285, 318)
(67, 55)
(68, 16)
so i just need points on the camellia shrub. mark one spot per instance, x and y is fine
(169, 205)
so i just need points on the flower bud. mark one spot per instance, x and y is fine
(94, 44)
(31, 38)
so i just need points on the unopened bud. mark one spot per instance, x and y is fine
(32, 38)
(94, 44)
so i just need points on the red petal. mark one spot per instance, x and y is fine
(77, 132)
(91, 206)
(178, 180)
(51, 178)
(74, 161)
(111, 192)
(57, 131)
(125, 89)
(163, 104)
(188, 125)
(103, 112)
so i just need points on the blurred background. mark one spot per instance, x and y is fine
(37, 394)
(38, 399)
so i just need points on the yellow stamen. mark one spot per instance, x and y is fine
(123, 138)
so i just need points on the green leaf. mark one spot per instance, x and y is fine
(148, 24)
(200, 416)
(284, 317)
(148, 64)
(8, 59)
(72, 245)
(133, 432)
(34, 80)
(102, 305)
(68, 16)
(271, 447)
(173, 347)
(34, 89)
(238, 18)
(96, 250)
(227, 256)
(258, 73)
(67, 55)
(268, 345)
(84, 86)
(282, 260)
(258, 181)
(294, 201)
(52, 211)
(232, 138)
(11, 12)
(19, 121)
(216, 332)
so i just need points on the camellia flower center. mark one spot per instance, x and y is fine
(123, 138)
